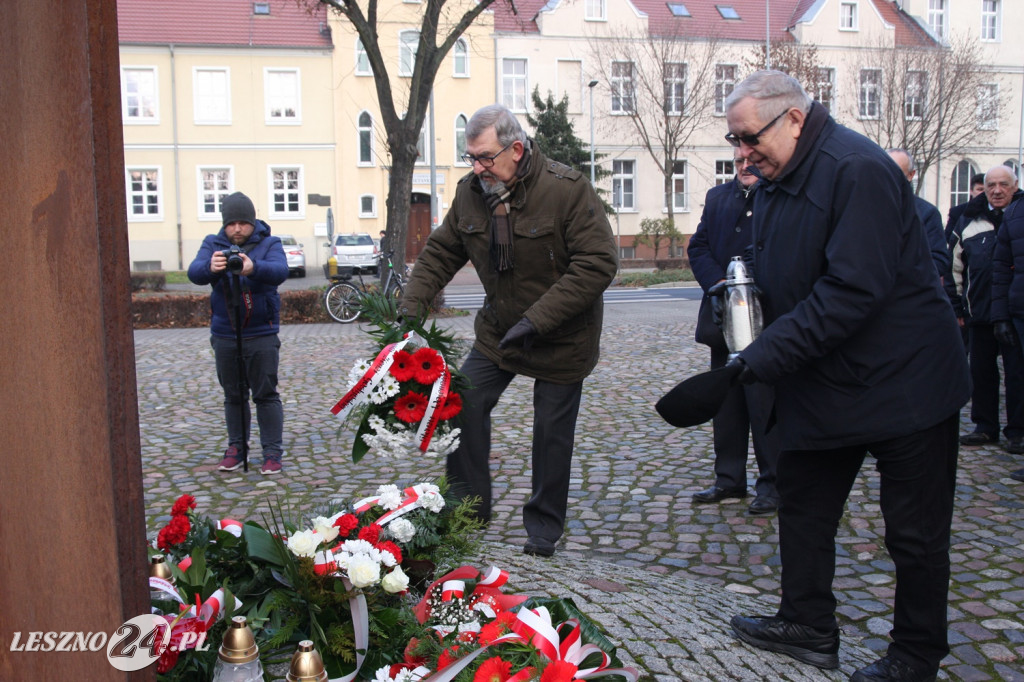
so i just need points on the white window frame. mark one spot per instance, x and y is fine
(218, 194)
(849, 15)
(273, 100)
(373, 206)
(724, 173)
(960, 183)
(153, 95)
(865, 90)
(991, 24)
(724, 85)
(408, 46)
(461, 121)
(156, 194)
(825, 78)
(423, 146)
(988, 106)
(221, 99)
(364, 131)
(915, 104)
(683, 178)
(274, 191)
(622, 87)
(938, 17)
(595, 10)
(515, 85)
(672, 83)
(619, 178)
(362, 63)
(462, 72)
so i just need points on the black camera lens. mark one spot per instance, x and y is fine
(234, 256)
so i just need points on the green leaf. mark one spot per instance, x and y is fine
(359, 446)
(262, 544)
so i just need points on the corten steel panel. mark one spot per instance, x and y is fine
(72, 529)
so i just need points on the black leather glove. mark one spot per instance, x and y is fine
(746, 375)
(1003, 331)
(716, 297)
(521, 334)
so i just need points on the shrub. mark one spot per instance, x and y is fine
(148, 281)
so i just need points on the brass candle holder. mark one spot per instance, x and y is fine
(306, 665)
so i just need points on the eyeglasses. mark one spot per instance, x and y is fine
(485, 161)
(752, 140)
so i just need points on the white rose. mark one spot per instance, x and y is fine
(402, 530)
(395, 581)
(304, 543)
(323, 527)
(363, 571)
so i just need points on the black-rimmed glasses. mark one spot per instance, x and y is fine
(485, 161)
(752, 140)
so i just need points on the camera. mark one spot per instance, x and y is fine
(234, 256)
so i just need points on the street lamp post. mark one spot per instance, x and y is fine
(591, 86)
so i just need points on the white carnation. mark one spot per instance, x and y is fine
(390, 496)
(432, 501)
(401, 530)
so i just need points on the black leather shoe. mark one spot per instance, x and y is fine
(763, 505)
(1015, 446)
(819, 648)
(1017, 475)
(539, 547)
(978, 438)
(891, 668)
(716, 494)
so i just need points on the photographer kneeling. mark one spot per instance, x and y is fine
(244, 264)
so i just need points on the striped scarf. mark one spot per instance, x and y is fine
(499, 200)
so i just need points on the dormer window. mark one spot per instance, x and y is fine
(728, 11)
(678, 9)
(261, 8)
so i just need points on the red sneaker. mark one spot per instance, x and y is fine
(232, 459)
(271, 464)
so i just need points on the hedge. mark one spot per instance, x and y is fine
(168, 311)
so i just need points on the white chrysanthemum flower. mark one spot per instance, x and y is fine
(390, 496)
(387, 388)
(360, 368)
(383, 674)
(402, 530)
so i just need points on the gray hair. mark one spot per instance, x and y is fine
(995, 170)
(506, 125)
(911, 164)
(770, 88)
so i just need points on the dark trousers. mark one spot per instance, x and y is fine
(260, 355)
(983, 354)
(918, 475)
(555, 407)
(746, 410)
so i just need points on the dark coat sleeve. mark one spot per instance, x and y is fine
(1002, 262)
(703, 263)
(931, 220)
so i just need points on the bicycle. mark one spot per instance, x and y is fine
(343, 300)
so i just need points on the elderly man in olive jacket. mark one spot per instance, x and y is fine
(863, 349)
(537, 235)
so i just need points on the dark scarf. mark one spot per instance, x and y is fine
(499, 200)
(814, 122)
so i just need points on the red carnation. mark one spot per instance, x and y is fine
(401, 366)
(183, 505)
(411, 659)
(452, 407)
(346, 524)
(559, 671)
(494, 669)
(427, 365)
(388, 546)
(174, 533)
(411, 407)
(370, 533)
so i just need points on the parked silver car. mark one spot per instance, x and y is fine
(355, 249)
(295, 255)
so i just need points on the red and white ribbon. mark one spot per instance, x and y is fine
(413, 500)
(453, 589)
(360, 391)
(431, 417)
(231, 526)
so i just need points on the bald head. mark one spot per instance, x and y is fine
(904, 161)
(1000, 185)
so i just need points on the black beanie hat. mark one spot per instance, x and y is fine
(237, 208)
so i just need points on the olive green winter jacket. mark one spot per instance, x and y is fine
(565, 258)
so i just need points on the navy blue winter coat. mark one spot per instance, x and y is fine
(931, 221)
(860, 340)
(1008, 266)
(270, 268)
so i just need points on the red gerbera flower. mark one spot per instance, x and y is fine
(345, 524)
(388, 546)
(402, 367)
(411, 407)
(427, 365)
(452, 406)
(494, 669)
(447, 657)
(559, 671)
(370, 533)
(183, 505)
(501, 625)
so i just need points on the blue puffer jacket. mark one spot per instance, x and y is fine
(270, 268)
(1008, 266)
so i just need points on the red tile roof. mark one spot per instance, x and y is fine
(221, 22)
(908, 32)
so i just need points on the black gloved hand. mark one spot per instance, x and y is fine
(746, 375)
(1003, 331)
(521, 334)
(716, 297)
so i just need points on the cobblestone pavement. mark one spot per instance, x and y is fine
(661, 574)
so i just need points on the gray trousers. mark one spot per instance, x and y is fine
(260, 355)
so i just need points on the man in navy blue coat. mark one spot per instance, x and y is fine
(863, 349)
(931, 219)
(724, 232)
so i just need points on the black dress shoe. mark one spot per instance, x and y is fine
(819, 648)
(1015, 446)
(763, 505)
(891, 668)
(716, 494)
(1017, 475)
(978, 438)
(539, 547)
